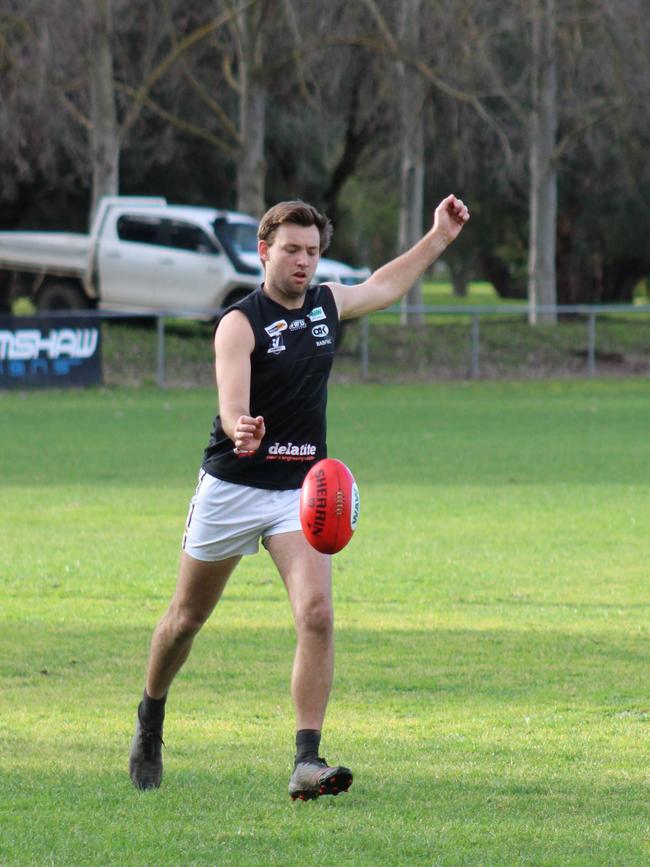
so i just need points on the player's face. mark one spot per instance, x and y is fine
(290, 262)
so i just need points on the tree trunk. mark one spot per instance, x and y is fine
(251, 170)
(459, 271)
(359, 134)
(104, 136)
(251, 167)
(542, 289)
(411, 90)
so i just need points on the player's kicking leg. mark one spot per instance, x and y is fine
(199, 586)
(307, 575)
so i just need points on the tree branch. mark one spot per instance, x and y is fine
(179, 123)
(141, 95)
(212, 104)
(296, 54)
(395, 52)
(202, 93)
(74, 112)
(380, 21)
(608, 110)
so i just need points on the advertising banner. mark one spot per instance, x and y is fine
(50, 352)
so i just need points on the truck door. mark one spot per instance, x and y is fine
(193, 272)
(128, 260)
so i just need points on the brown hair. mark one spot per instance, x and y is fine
(299, 213)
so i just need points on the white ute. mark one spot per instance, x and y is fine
(144, 255)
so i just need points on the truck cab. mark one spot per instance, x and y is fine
(143, 255)
(169, 258)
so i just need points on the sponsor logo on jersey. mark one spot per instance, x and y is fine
(276, 327)
(297, 324)
(291, 452)
(320, 330)
(326, 342)
(277, 346)
(316, 314)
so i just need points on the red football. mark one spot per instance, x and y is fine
(329, 506)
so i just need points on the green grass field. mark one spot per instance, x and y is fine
(493, 632)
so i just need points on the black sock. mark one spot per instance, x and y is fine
(307, 744)
(152, 711)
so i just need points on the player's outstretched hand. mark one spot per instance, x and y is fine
(450, 217)
(249, 433)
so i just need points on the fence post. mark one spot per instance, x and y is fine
(365, 350)
(160, 351)
(591, 343)
(476, 347)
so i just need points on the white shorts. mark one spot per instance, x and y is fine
(227, 520)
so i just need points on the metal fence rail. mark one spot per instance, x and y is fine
(474, 317)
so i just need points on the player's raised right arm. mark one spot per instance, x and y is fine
(393, 280)
(233, 344)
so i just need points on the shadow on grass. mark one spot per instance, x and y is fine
(249, 666)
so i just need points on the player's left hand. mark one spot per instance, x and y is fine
(450, 217)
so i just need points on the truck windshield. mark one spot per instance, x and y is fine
(242, 236)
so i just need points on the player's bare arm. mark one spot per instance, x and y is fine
(233, 343)
(393, 280)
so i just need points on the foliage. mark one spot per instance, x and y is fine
(325, 75)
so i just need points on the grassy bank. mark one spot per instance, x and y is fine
(440, 349)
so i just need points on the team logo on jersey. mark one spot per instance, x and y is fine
(297, 325)
(276, 327)
(277, 346)
(291, 452)
(320, 330)
(316, 314)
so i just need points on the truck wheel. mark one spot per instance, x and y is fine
(6, 293)
(59, 295)
(235, 296)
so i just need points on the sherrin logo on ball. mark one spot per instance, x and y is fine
(329, 506)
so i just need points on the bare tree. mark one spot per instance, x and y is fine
(248, 30)
(106, 85)
(542, 290)
(333, 109)
(35, 149)
(413, 91)
(304, 98)
(104, 131)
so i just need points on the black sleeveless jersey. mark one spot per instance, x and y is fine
(290, 366)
